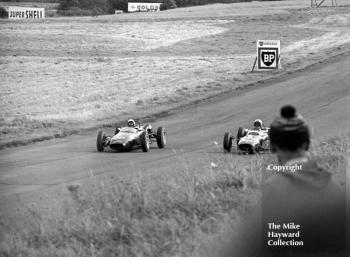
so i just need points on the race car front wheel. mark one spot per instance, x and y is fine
(227, 142)
(161, 139)
(144, 139)
(241, 132)
(101, 136)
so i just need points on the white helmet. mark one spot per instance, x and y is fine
(258, 123)
(131, 123)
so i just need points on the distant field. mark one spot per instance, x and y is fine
(64, 74)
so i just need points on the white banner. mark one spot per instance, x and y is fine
(16, 13)
(144, 7)
(268, 54)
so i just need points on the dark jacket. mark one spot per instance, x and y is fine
(309, 198)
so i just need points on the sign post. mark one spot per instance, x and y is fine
(268, 54)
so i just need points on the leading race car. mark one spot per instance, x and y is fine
(130, 138)
(249, 140)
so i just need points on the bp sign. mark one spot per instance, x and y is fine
(268, 54)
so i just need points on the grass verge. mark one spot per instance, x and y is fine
(183, 213)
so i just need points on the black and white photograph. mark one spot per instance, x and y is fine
(175, 128)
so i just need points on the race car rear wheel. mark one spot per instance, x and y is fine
(253, 150)
(161, 138)
(265, 145)
(100, 141)
(144, 139)
(227, 142)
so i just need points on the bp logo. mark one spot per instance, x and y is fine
(268, 57)
(268, 54)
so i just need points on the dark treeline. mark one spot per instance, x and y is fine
(32, 1)
(96, 7)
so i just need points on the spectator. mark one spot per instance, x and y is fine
(307, 196)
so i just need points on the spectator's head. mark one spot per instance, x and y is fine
(289, 132)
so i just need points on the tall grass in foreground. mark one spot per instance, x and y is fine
(183, 213)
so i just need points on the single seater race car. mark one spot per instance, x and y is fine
(248, 140)
(129, 138)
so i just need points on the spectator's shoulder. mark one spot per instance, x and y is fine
(275, 184)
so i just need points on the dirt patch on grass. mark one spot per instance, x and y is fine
(61, 76)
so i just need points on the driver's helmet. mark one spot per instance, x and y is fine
(258, 124)
(131, 123)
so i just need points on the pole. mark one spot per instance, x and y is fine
(256, 58)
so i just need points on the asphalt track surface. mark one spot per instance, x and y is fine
(43, 170)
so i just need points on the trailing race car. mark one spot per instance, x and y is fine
(129, 138)
(248, 140)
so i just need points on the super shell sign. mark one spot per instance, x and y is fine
(19, 13)
(268, 54)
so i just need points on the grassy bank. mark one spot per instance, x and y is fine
(61, 76)
(178, 214)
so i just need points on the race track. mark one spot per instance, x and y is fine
(42, 170)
